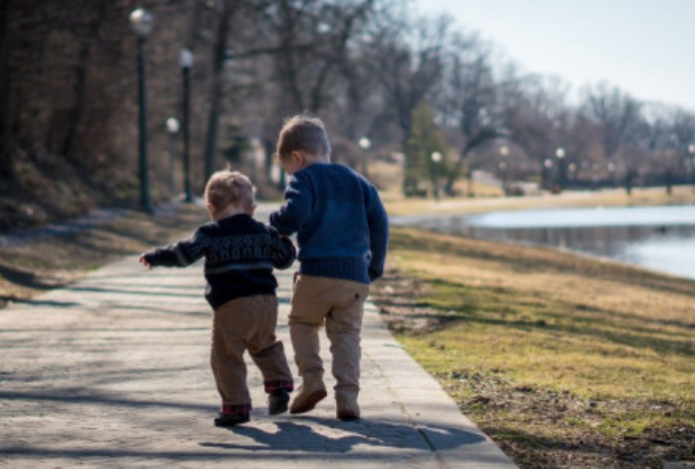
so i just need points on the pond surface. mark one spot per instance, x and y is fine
(659, 238)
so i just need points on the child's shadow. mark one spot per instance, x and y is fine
(291, 436)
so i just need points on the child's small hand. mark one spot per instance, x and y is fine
(144, 262)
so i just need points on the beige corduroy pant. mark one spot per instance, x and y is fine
(338, 304)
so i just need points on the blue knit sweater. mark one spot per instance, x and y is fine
(341, 224)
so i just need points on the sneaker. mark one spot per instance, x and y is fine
(277, 401)
(307, 398)
(230, 419)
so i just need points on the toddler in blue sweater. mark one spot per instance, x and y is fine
(342, 234)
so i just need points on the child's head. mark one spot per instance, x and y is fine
(302, 141)
(230, 188)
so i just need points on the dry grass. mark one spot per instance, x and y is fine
(539, 345)
(606, 198)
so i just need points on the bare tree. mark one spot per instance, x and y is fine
(6, 161)
(622, 127)
(468, 98)
(219, 57)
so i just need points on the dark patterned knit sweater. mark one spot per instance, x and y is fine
(239, 252)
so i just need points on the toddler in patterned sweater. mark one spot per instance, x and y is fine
(240, 254)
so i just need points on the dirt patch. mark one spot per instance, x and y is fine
(536, 427)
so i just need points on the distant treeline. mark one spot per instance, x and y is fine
(373, 72)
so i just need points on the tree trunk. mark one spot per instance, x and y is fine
(79, 95)
(6, 166)
(219, 57)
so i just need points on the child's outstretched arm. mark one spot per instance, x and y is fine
(179, 254)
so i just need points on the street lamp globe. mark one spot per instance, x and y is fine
(172, 124)
(436, 157)
(691, 149)
(186, 58)
(141, 22)
(364, 143)
(560, 152)
(504, 151)
(548, 163)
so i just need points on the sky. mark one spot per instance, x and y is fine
(645, 47)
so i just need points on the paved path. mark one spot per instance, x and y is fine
(113, 372)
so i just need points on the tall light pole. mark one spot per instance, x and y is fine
(365, 144)
(186, 61)
(172, 126)
(560, 153)
(545, 176)
(504, 166)
(141, 22)
(436, 159)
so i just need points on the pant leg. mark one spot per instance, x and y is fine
(266, 351)
(311, 302)
(229, 338)
(343, 327)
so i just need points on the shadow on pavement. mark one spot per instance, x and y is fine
(294, 436)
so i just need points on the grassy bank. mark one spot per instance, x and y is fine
(398, 205)
(562, 359)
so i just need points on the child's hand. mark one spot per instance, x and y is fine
(144, 262)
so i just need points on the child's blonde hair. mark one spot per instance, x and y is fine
(230, 188)
(303, 133)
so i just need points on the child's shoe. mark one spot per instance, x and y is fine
(230, 419)
(347, 408)
(277, 401)
(310, 393)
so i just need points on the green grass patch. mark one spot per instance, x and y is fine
(531, 340)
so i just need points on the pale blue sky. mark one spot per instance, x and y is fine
(646, 47)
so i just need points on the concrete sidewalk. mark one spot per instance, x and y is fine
(113, 372)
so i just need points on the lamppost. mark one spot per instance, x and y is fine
(547, 166)
(141, 22)
(572, 169)
(365, 144)
(436, 159)
(186, 61)
(503, 165)
(611, 172)
(560, 153)
(172, 126)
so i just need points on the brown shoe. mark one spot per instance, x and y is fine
(307, 398)
(347, 407)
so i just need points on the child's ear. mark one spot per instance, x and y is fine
(211, 208)
(297, 157)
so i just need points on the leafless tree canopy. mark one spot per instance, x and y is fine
(68, 99)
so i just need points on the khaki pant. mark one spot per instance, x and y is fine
(247, 324)
(339, 305)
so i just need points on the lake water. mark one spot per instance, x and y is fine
(659, 238)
